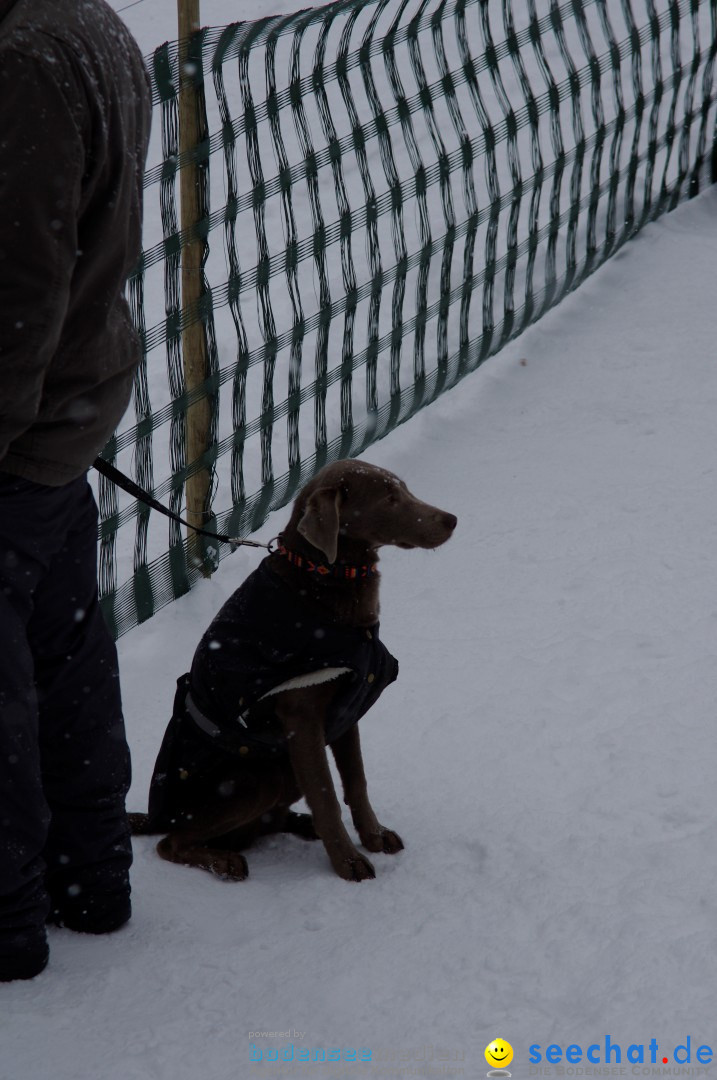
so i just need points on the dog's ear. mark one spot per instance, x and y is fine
(319, 524)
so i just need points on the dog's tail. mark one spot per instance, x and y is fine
(139, 825)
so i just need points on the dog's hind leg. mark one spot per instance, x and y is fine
(227, 865)
(284, 820)
(212, 837)
(281, 820)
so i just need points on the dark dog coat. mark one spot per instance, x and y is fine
(265, 638)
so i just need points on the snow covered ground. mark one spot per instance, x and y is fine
(547, 754)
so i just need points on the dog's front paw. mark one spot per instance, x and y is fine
(353, 866)
(385, 840)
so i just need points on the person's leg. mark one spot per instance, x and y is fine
(84, 753)
(43, 588)
(24, 815)
(26, 515)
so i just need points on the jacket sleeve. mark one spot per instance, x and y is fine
(42, 162)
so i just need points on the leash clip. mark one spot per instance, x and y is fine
(116, 477)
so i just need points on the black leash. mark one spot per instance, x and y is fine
(119, 478)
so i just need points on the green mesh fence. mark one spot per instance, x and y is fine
(390, 192)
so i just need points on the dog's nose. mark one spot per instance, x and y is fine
(450, 521)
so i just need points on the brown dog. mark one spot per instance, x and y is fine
(287, 667)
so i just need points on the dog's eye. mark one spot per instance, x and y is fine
(391, 499)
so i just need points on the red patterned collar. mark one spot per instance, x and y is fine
(343, 571)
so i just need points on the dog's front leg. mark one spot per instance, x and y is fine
(301, 713)
(347, 754)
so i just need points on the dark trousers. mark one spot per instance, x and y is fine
(64, 760)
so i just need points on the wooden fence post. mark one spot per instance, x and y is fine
(194, 344)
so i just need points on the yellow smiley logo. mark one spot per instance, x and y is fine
(499, 1053)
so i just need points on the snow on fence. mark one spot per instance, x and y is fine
(388, 192)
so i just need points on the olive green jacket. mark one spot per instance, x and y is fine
(75, 113)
